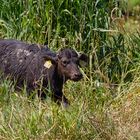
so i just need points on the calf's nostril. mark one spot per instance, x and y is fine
(78, 75)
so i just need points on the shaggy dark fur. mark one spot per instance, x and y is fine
(25, 63)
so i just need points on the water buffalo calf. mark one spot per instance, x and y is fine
(36, 65)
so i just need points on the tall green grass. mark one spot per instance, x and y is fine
(84, 25)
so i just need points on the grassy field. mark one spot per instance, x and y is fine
(105, 104)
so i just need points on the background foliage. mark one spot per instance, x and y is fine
(108, 32)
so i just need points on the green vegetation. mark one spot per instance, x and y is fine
(105, 104)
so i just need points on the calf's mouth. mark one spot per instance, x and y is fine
(76, 77)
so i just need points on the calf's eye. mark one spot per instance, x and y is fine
(65, 62)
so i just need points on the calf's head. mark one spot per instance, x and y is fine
(68, 62)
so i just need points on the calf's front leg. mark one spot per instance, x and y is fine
(59, 98)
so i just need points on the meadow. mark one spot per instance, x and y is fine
(105, 103)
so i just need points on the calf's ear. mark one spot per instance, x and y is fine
(83, 59)
(49, 61)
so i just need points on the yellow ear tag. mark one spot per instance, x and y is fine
(48, 64)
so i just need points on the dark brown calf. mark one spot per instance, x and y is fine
(35, 65)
